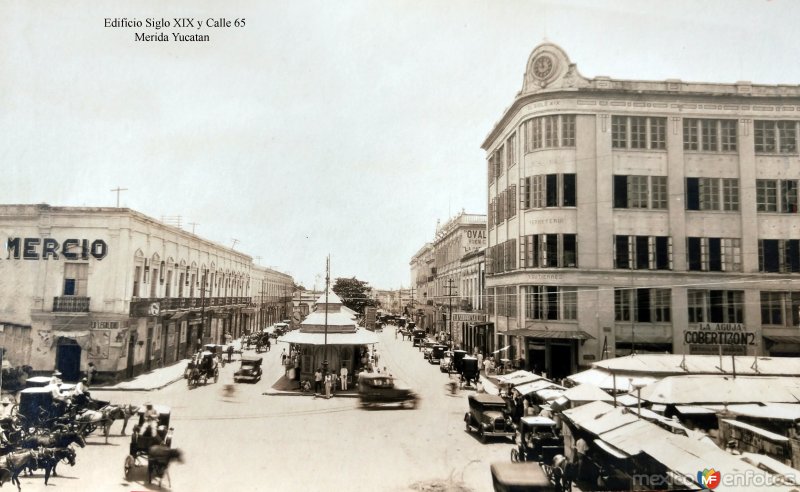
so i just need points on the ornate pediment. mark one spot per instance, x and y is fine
(549, 68)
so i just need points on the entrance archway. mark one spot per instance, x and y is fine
(68, 359)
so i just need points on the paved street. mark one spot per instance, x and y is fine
(258, 442)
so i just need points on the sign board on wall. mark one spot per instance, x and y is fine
(469, 317)
(369, 317)
(725, 334)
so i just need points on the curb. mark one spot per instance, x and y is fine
(152, 388)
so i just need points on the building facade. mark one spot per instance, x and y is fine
(272, 296)
(115, 287)
(644, 216)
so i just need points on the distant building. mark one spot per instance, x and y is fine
(448, 275)
(115, 287)
(637, 216)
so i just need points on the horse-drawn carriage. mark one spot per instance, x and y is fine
(153, 446)
(470, 372)
(202, 367)
(36, 408)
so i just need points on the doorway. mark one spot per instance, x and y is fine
(536, 358)
(131, 346)
(561, 357)
(68, 359)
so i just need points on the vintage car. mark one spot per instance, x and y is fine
(537, 440)
(437, 354)
(488, 416)
(427, 348)
(249, 370)
(281, 329)
(375, 389)
(520, 477)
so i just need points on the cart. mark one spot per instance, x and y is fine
(140, 446)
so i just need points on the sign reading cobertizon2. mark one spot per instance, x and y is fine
(34, 248)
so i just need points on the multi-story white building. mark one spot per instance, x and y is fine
(631, 215)
(117, 288)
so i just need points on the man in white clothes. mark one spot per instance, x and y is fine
(343, 377)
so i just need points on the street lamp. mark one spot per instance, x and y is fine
(638, 387)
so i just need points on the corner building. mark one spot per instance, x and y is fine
(642, 216)
(122, 290)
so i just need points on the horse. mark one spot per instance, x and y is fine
(58, 439)
(116, 412)
(158, 459)
(50, 457)
(88, 420)
(17, 461)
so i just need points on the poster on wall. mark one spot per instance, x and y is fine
(183, 332)
(100, 342)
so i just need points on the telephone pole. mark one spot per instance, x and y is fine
(450, 313)
(117, 190)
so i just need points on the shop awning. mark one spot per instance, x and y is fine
(360, 337)
(551, 334)
(783, 338)
(611, 450)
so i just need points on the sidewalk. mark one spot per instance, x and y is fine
(284, 387)
(149, 381)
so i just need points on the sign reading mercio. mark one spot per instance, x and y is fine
(34, 248)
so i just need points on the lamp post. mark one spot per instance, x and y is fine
(638, 387)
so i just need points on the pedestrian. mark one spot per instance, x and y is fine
(377, 357)
(318, 381)
(343, 377)
(480, 360)
(328, 385)
(486, 364)
(90, 373)
(283, 357)
(334, 382)
(581, 448)
(230, 353)
(269, 344)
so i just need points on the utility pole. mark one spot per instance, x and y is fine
(450, 313)
(327, 283)
(117, 190)
(234, 243)
(193, 224)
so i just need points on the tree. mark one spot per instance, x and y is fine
(354, 293)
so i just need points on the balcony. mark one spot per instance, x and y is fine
(71, 304)
(175, 303)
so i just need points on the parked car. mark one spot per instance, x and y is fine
(281, 329)
(437, 354)
(537, 440)
(488, 416)
(249, 370)
(427, 348)
(375, 389)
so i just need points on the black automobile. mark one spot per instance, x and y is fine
(437, 354)
(250, 370)
(418, 337)
(376, 390)
(488, 416)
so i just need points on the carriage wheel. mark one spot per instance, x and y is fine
(129, 462)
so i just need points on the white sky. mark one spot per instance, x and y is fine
(321, 127)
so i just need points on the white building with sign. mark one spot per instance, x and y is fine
(117, 288)
(646, 216)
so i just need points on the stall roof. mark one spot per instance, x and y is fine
(598, 417)
(693, 410)
(773, 466)
(687, 390)
(605, 380)
(359, 337)
(662, 365)
(757, 430)
(531, 387)
(630, 438)
(506, 378)
(549, 394)
(772, 411)
(610, 449)
(587, 392)
(686, 457)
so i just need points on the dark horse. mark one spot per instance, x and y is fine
(13, 463)
(50, 457)
(116, 412)
(60, 439)
(158, 460)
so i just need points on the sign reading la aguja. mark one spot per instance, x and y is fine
(34, 248)
(719, 334)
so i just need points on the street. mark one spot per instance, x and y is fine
(252, 441)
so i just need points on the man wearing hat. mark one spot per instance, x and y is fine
(80, 394)
(55, 379)
(150, 420)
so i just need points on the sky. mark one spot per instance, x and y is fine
(344, 128)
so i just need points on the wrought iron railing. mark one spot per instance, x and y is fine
(71, 304)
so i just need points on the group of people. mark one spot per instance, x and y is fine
(79, 396)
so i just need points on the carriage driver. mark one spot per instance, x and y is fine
(150, 420)
(80, 394)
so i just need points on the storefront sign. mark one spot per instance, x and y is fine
(719, 334)
(34, 248)
(145, 308)
(104, 325)
(469, 317)
(475, 240)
